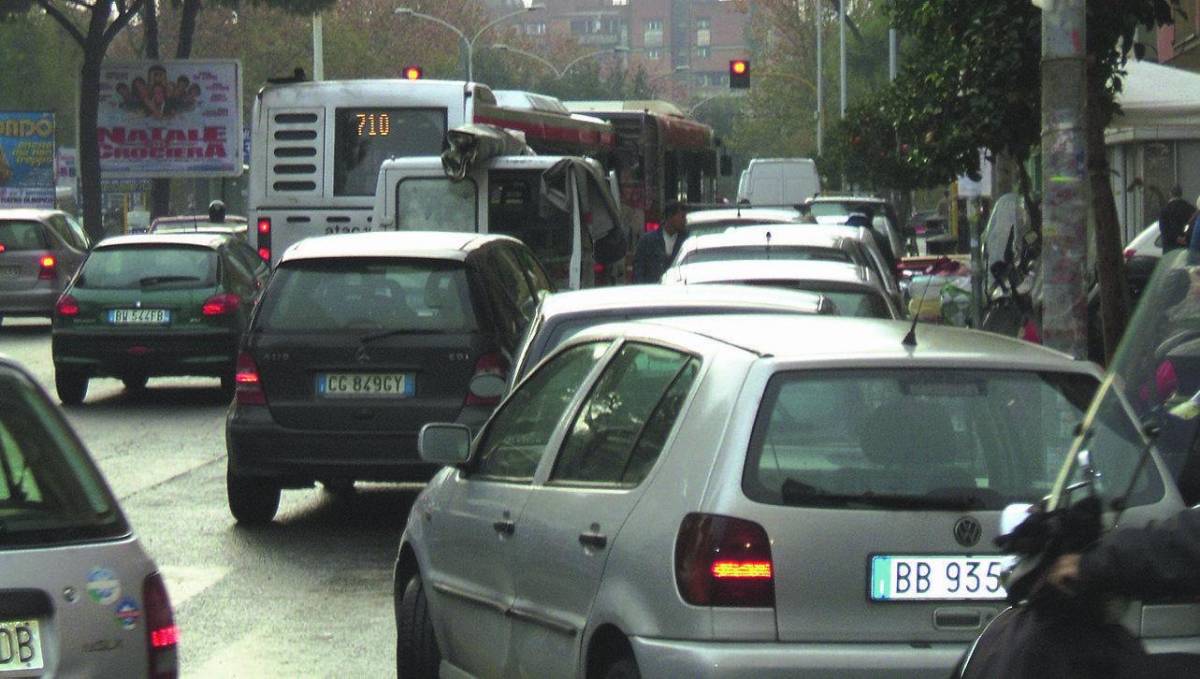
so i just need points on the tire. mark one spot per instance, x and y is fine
(624, 667)
(253, 501)
(70, 385)
(417, 654)
(134, 382)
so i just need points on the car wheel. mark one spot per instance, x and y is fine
(624, 668)
(134, 382)
(417, 655)
(252, 500)
(70, 385)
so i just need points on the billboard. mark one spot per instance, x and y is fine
(26, 159)
(170, 119)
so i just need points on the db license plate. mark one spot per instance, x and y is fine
(20, 646)
(386, 385)
(139, 316)
(939, 578)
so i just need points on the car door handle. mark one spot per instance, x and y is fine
(593, 540)
(505, 526)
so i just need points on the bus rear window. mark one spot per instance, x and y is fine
(365, 137)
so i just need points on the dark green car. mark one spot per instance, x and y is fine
(155, 305)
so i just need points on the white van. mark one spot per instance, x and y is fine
(779, 181)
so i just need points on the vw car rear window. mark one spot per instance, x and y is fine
(49, 491)
(15, 235)
(789, 253)
(920, 439)
(149, 266)
(394, 295)
(851, 303)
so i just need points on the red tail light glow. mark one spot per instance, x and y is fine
(723, 561)
(2, 248)
(219, 305)
(161, 631)
(264, 238)
(488, 364)
(49, 267)
(265, 254)
(264, 226)
(67, 307)
(1129, 253)
(248, 390)
(652, 226)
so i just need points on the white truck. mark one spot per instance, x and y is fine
(779, 181)
(562, 207)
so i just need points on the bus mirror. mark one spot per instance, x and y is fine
(726, 166)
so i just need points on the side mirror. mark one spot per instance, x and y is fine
(1014, 515)
(447, 444)
(726, 166)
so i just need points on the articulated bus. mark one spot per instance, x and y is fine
(661, 156)
(316, 147)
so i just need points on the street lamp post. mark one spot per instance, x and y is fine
(558, 72)
(469, 42)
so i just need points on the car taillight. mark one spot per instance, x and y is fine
(723, 561)
(1129, 253)
(67, 307)
(2, 248)
(49, 270)
(651, 226)
(219, 305)
(488, 364)
(264, 238)
(248, 390)
(161, 632)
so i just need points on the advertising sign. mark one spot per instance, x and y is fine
(170, 119)
(26, 159)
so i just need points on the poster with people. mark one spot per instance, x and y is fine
(26, 159)
(170, 119)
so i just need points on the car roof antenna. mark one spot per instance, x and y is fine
(910, 340)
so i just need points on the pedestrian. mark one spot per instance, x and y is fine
(216, 212)
(806, 215)
(1193, 235)
(1173, 221)
(656, 249)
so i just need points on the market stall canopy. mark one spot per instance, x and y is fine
(1158, 102)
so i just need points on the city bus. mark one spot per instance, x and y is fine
(316, 146)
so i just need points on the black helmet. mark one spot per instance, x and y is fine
(216, 211)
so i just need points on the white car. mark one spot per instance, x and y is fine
(740, 496)
(700, 222)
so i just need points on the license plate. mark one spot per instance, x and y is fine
(20, 646)
(387, 385)
(139, 316)
(939, 578)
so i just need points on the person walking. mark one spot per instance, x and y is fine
(656, 249)
(1173, 221)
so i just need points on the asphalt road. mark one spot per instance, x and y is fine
(308, 596)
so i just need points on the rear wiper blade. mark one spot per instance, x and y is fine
(799, 493)
(392, 333)
(155, 280)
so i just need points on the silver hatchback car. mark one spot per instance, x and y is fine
(759, 496)
(78, 594)
(40, 250)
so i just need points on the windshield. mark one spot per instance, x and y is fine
(16, 236)
(403, 295)
(918, 438)
(436, 204)
(49, 491)
(1153, 384)
(786, 252)
(143, 266)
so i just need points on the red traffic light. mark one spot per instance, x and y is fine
(413, 73)
(739, 73)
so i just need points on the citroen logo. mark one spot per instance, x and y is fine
(967, 531)
(362, 356)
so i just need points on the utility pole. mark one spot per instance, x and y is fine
(318, 36)
(842, 53)
(1064, 176)
(820, 80)
(893, 56)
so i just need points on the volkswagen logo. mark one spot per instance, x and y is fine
(967, 531)
(362, 356)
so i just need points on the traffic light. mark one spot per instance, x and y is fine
(413, 73)
(739, 74)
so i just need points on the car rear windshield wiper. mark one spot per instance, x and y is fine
(399, 331)
(155, 280)
(801, 494)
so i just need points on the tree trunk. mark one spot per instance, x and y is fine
(160, 189)
(187, 28)
(1114, 307)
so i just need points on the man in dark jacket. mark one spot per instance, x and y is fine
(656, 249)
(1173, 221)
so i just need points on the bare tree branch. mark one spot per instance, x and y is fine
(121, 22)
(62, 19)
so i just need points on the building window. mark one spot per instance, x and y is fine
(703, 24)
(703, 32)
(620, 3)
(652, 35)
(703, 52)
(654, 54)
(535, 29)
